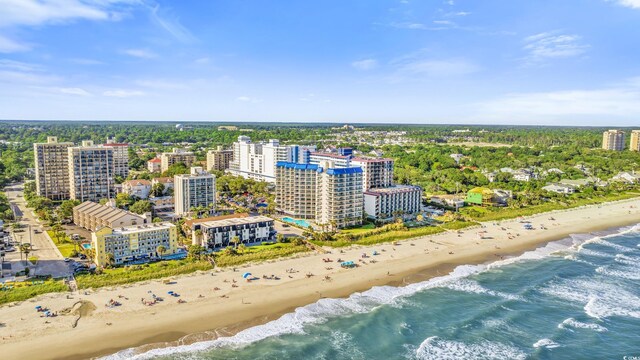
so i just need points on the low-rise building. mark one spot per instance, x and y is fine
(91, 216)
(627, 177)
(154, 165)
(453, 201)
(220, 233)
(167, 182)
(138, 188)
(384, 203)
(560, 188)
(133, 243)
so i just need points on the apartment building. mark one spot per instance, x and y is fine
(296, 187)
(92, 216)
(174, 157)
(376, 172)
(138, 188)
(51, 161)
(167, 182)
(194, 190)
(154, 165)
(133, 243)
(634, 144)
(220, 233)
(385, 203)
(219, 159)
(120, 158)
(613, 140)
(90, 172)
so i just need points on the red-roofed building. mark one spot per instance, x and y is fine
(154, 165)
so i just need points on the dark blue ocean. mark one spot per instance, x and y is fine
(578, 298)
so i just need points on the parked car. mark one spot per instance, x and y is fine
(67, 260)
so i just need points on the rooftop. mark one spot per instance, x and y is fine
(392, 189)
(190, 223)
(236, 221)
(144, 227)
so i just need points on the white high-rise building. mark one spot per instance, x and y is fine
(258, 160)
(194, 190)
(51, 161)
(90, 172)
(376, 172)
(120, 157)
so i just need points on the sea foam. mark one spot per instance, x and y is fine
(437, 348)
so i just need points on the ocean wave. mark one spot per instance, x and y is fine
(437, 348)
(472, 286)
(573, 323)
(632, 274)
(546, 343)
(600, 299)
(617, 247)
(325, 309)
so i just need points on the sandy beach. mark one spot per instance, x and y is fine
(220, 302)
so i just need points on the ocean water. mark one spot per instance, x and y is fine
(578, 298)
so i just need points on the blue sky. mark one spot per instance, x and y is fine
(540, 62)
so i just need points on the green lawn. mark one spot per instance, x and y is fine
(359, 229)
(66, 247)
(26, 292)
(135, 273)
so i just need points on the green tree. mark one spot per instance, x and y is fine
(141, 207)
(157, 189)
(161, 249)
(124, 200)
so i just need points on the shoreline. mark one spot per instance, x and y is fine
(168, 323)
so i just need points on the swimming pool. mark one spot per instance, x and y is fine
(298, 222)
(87, 246)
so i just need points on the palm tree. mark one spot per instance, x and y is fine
(110, 259)
(34, 261)
(25, 249)
(161, 249)
(235, 240)
(242, 248)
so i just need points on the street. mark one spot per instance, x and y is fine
(49, 259)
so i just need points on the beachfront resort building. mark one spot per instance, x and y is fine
(258, 160)
(133, 243)
(376, 172)
(90, 172)
(92, 216)
(154, 165)
(219, 159)
(51, 161)
(120, 158)
(385, 203)
(613, 140)
(174, 157)
(634, 144)
(329, 195)
(221, 233)
(197, 189)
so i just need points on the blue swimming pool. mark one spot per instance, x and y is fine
(298, 222)
(87, 246)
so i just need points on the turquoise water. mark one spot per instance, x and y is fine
(86, 246)
(298, 222)
(578, 298)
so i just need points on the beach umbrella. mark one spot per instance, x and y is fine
(38, 307)
(246, 275)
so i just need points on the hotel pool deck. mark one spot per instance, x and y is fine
(298, 222)
(87, 246)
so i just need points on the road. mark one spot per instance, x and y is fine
(49, 259)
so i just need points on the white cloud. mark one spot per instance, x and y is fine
(162, 84)
(434, 67)
(550, 45)
(621, 101)
(443, 22)
(120, 93)
(140, 53)
(19, 66)
(248, 99)
(39, 12)
(202, 60)
(634, 4)
(366, 64)
(81, 61)
(171, 24)
(409, 25)
(74, 91)
(11, 46)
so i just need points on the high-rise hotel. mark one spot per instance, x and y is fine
(52, 168)
(613, 140)
(90, 172)
(194, 190)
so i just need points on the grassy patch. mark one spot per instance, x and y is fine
(135, 273)
(65, 246)
(259, 253)
(359, 229)
(27, 292)
(495, 214)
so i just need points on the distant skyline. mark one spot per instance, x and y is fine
(547, 62)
